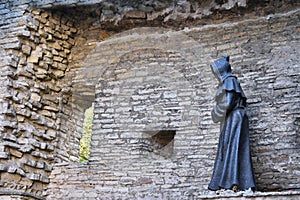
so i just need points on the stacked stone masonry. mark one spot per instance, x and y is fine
(136, 93)
(33, 97)
(55, 64)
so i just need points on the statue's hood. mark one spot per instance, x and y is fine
(222, 71)
(221, 68)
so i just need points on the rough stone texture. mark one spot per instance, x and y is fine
(157, 79)
(116, 11)
(107, 182)
(35, 47)
(256, 196)
(146, 79)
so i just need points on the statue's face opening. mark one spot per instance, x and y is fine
(215, 73)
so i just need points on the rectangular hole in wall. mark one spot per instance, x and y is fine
(162, 142)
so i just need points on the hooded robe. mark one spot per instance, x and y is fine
(233, 165)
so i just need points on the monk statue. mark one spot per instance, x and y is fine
(233, 165)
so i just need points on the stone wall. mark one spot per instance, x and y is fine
(51, 59)
(35, 45)
(150, 79)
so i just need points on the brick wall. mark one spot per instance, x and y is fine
(35, 46)
(158, 79)
(53, 61)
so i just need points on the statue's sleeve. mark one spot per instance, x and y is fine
(223, 106)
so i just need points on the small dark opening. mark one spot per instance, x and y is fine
(163, 138)
(162, 142)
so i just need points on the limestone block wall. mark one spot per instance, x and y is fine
(147, 80)
(150, 80)
(269, 64)
(35, 46)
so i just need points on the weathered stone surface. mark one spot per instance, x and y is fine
(26, 49)
(136, 15)
(35, 97)
(32, 59)
(16, 153)
(10, 137)
(3, 167)
(169, 87)
(4, 155)
(34, 176)
(152, 79)
(39, 38)
(41, 73)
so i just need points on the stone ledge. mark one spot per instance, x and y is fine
(16, 193)
(254, 196)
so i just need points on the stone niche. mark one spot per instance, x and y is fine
(149, 100)
(158, 80)
(147, 90)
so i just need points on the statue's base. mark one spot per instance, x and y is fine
(251, 196)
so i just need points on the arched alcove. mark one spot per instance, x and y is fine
(147, 90)
(103, 61)
(134, 50)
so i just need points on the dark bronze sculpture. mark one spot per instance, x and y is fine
(233, 165)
